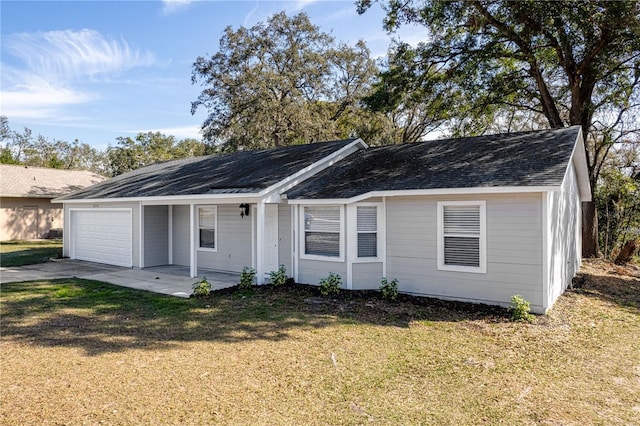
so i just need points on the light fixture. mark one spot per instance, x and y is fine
(244, 209)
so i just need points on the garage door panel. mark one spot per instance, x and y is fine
(103, 236)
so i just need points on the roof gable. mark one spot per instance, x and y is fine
(246, 172)
(524, 159)
(40, 182)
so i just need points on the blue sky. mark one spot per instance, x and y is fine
(98, 70)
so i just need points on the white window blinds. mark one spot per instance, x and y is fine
(461, 233)
(367, 228)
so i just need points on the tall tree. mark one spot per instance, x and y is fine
(40, 151)
(278, 83)
(148, 148)
(573, 63)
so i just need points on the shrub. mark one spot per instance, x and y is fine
(246, 277)
(278, 277)
(520, 309)
(330, 285)
(201, 288)
(389, 289)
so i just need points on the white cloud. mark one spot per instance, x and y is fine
(47, 69)
(170, 6)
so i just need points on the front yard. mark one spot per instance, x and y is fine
(18, 253)
(82, 352)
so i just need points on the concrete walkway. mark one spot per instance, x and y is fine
(173, 280)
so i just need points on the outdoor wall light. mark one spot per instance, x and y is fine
(244, 209)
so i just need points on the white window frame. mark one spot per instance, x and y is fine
(482, 269)
(353, 233)
(302, 232)
(215, 229)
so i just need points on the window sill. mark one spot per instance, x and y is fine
(206, 249)
(467, 269)
(321, 258)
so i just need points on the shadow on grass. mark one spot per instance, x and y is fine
(623, 291)
(99, 317)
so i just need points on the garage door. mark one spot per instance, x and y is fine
(102, 235)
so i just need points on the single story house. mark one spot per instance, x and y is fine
(26, 211)
(476, 219)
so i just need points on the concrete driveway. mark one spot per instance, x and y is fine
(172, 280)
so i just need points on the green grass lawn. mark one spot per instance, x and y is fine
(85, 352)
(18, 253)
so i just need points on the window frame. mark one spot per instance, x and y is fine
(213, 249)
(341, 238)
(379, 232)
(482, 237)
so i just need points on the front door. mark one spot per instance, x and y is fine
(271, 239)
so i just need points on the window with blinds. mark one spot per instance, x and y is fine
(207, 227)
(461, 235)
(367, 229)
(461, 231)
(322, 231)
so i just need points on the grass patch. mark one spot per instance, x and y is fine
(77, 351)
(19, 253)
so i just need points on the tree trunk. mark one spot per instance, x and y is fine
(626, 253)
(589, 229)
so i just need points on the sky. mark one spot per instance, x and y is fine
(97, 70)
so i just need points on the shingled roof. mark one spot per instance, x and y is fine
(38, 182)
(538, 158)
(246, 172)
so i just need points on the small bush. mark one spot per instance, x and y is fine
(247, 277)
(520, 309)
(330, 285)
(389, 289)
(278, 277)
(201, 288)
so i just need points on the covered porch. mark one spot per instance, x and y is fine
(215, 235)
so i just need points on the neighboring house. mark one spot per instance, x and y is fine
(475, 219)
(26, 211)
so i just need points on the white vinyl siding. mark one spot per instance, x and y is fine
(322, 232)
(233, 242)
(156, 235)
(367, 230)
(207, 227)
(461, 242)
(513, 250)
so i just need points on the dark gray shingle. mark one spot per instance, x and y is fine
(537, 158)
(240, 172)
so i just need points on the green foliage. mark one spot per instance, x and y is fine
(39, 151)
(281, 82)
(330, 285)
(389, 289)
(247, 277)
(202, 288)
(278, 277)
(520, 309)
(148, 148)
(618, 201)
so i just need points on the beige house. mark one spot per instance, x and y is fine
(26, 211)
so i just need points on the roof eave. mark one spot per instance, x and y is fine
(579, 161)
(167, 199)
(426, 192)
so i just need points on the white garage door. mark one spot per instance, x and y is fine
(102, 235)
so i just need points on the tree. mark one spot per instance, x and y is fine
(24, 148)
(148, 148)
(573, 63)
(279, 83)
